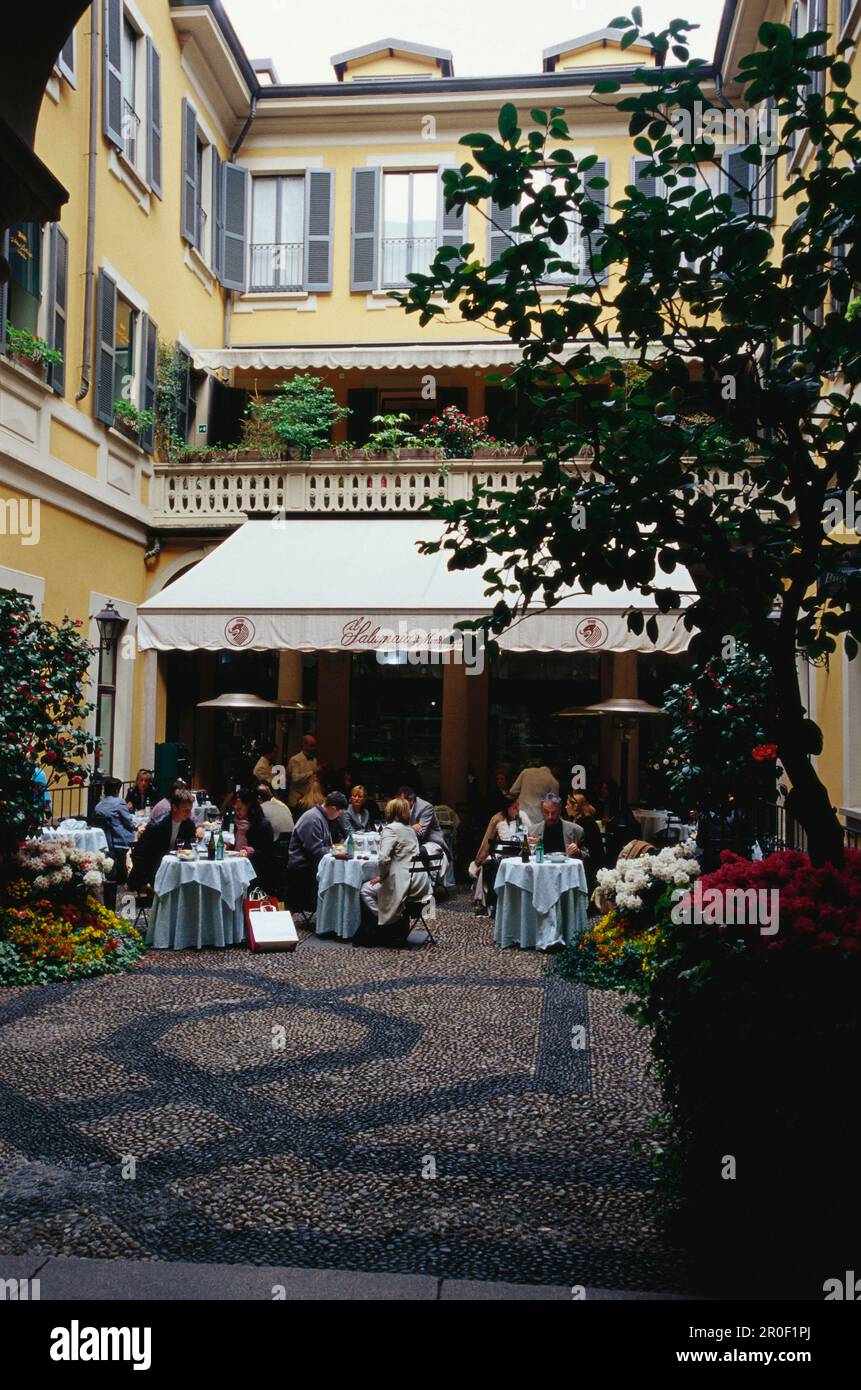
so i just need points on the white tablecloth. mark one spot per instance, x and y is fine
(198, 902)
(651, 823)
(339, 883)
(85, 838)
(539, 905)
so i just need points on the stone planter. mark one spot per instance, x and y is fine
(128, 430)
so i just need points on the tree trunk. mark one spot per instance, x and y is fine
(811, 801)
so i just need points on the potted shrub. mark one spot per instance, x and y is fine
(130, 421)
(459, 436)
(294, 421)
(392, 440)
(30, 351)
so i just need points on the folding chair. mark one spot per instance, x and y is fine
(415, 911)
(302, 895)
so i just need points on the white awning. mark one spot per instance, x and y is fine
(361, 585)
(347, 357)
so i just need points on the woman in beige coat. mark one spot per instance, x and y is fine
(387, 895)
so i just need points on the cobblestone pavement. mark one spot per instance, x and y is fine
(420, 1111)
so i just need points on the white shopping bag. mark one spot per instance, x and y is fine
(271, 930)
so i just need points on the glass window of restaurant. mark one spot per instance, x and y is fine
(526, 690)
(396, 724)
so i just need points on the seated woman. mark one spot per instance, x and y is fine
(362, 813)
(385, 897)
(582, 812)
(142, 794)
(502, 829)
(254, 837)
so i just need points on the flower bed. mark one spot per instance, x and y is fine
(614, 952)
(43, 941)
(757, 1045)
(52, 927)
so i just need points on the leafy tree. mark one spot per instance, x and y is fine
(298, 415)
(43, 668)
(723, 312)
(720, 742)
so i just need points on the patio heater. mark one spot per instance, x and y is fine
(110, 624)
(625, 710)
(237, 705)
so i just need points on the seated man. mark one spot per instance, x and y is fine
(311, 839)
(386, 897)
(427, 827)
(560, 836)
(162, 836)
(119, 825)
(277, 813)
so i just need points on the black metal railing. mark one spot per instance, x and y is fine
(131, 129)
(276, 265)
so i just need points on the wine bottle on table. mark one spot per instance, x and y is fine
(210, 848)
(524, 850)
(539, 848)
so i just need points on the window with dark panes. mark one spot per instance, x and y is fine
(124, 351)
(25, 275)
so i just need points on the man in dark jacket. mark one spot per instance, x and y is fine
(160, 837)
(311, 839)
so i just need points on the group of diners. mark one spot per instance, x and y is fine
(412, 852)
(575, 834)
(408, 828)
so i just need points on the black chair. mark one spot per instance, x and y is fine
(414, 911)
(280, 862)
(301, 894)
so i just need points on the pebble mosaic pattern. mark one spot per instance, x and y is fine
(285, 1109)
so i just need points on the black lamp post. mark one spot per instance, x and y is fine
(110, 624)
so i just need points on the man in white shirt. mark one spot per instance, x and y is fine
(531, 787)
(302, 772)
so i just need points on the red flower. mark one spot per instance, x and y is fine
(765, 752)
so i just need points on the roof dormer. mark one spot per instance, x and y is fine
(390, 60)
(602, 48)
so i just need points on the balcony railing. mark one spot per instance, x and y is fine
(276, 265)
(131, 128)
(403, 256)
(216, 496)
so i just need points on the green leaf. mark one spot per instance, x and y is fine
(507, 122)
(628, 38)
(606, 85)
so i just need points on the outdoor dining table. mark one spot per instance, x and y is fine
(82, 836)
(540, 905)
(339, 885)
(198, 903)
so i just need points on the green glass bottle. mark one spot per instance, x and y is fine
(219, 846)
(539, 848)
(351, 845)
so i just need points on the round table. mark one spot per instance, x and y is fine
(84, 837)
(540, 905)
(198, 903)
(339, 885)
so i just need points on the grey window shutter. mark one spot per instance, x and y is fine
(189, 173)
(233, 205)
(792, 138)
(601, 196)
(818, 22)
(112, 77)
(500, 233)
(4, 295)
(149, 339)
(319, 210)
(217, 212)
(183, 404)
(365, 229)
(845, 11)
(766, 173)
(106, 319)
(451, 222)
(153, 87)
(736, 171)
(648, 184)
(58, 293)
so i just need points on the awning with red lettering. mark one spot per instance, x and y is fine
(349, 584)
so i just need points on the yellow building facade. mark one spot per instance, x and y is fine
(256, 231)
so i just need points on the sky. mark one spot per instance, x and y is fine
(485, 36)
